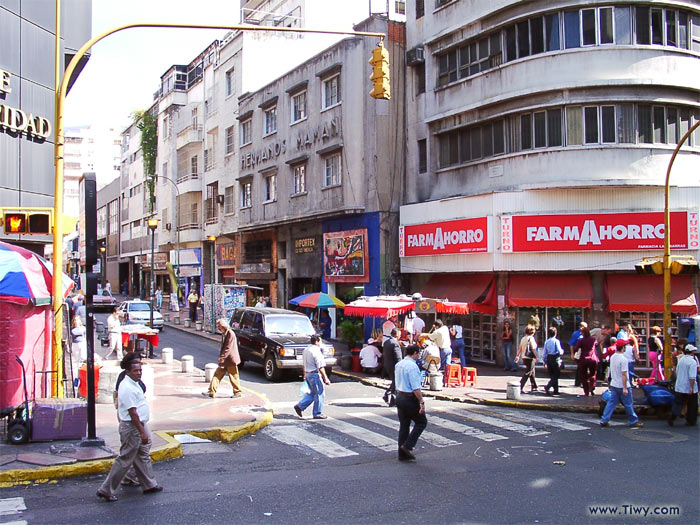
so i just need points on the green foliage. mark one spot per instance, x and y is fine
(147, 124)
(351, 332)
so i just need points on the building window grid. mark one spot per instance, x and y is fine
(270, 188)
(228, 200)
(599, 26)
(246, 134)
(331, 171)
(230, 85)
(229, 140)
(299, 179)
(271, 120)
(212, 209)
(298, 107)
(246, 194)
(331, 91)
(568, 126)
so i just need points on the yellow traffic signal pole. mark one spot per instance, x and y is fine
(61, 91)
(668, 362)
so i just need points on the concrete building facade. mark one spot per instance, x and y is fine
(539, 134)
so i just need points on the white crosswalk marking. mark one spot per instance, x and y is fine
(434, 439)
(550, 421)
(377, 440)
(525, 430)
(463, 429)
(10, 506)
(298, 436)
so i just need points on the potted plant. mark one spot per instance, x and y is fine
(351, 332)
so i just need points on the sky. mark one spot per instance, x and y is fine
(124, 69)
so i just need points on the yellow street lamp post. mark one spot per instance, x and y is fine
(668, 362)
(212, 277)
(61, 91)
(152, 225)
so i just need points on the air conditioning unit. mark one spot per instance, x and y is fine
(415, 56)
(168, 226)
(220, 199)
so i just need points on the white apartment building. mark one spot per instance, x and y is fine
(539, 134)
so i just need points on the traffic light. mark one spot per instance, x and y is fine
(650, 267)
(26, 222)
(380, 73)
(679, 265)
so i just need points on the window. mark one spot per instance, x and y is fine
(672, 135)
(246, 134)
(552, 28)
(195, 117)
(606, 25)
(229, 83)
(194, 172)
(419, 75)
(331, 91)
(590, 116)
(163, 218)
(588, 25)
(228, 200)
(659, 125)
(209, 158)
(299, 107)
(537, 35)
(643, 32)
(607, 118)
(540, 121)
(113, 213)
(400, 7)
(523, 39)
(695, 33)
(332, 170)
(164, 173)
(526, 131)
(447, 68)
(572, 30)
(623, 28)
(229, 140)
(644, 123)
(574, 126)
(657, 27)
(554, 137)
(420, 9)
(671, 29)
(422, 156)
(625, 124)
(246, 194)
(270, 188)
(271, 120)
(166, 126)
(299, 179)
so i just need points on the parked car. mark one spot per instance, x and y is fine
(139, 312)
(276, 339)
(103, 300)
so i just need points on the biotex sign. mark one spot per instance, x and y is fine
(444, 238)
(597, 232)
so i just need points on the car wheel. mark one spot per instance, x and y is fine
(272, 373)
(18, 433)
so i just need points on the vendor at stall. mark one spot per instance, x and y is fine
(370, 357)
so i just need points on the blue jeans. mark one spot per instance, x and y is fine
(616, 396)
(508, 356)
(458, 346)
(317, 395)
(445, 357)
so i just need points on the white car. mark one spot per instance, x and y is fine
(139, 312)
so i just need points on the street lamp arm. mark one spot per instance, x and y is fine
(667, 253)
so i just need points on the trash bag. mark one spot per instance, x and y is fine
(304, 389)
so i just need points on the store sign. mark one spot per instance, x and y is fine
(305, 245)
(17, 121)
(271, 151)
(597, 232)
(145, 260)
(226, 254)
(255, 268)
(321, 133)
(444, 238)
(346, 256)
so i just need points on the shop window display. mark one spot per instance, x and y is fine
(641, 322)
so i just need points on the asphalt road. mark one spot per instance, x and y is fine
(475, 465)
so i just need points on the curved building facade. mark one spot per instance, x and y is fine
(538, 141)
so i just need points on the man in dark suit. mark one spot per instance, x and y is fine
(229, 359)
(391, 352)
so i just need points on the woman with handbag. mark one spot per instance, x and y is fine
(527, 349)
(656, 353)
(588, 360)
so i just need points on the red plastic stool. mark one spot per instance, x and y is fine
(468, 376)
(452, 375)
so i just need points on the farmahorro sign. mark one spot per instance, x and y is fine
(444, 238)
(597, 232)
(17, 121)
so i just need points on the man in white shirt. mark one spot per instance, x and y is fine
(418, 327)
(686, 387)
(114, 329)
(440, 334)
(388, 326)
(620, 388)
(315, 375)
(135, 440)
(369, 357)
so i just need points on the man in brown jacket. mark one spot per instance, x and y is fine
(229, 359)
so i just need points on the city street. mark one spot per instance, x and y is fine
(475, 464)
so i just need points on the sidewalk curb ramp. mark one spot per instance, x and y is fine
(171, 450)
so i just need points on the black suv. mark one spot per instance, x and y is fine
(276, 339)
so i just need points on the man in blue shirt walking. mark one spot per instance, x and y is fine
(409, 403)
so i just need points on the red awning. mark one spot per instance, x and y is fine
(385, 308)
(645, 293)
(557, 290)
(476, 291)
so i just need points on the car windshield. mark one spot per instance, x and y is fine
(288, 324)
(140, 307)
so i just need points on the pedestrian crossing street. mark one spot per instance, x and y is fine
(11, 511)
(356, 424)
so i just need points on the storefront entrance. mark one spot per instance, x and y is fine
(565, 320)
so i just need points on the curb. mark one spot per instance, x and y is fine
(171, 450)
(205, 335)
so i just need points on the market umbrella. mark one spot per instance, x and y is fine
(25, 277)
(318, 300)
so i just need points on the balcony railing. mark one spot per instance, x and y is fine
(182, 177)
(189, 226)
(189, 135)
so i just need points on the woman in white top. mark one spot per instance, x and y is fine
(527, 349)
(78, 352)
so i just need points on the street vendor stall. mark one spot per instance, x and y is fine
(132, 332)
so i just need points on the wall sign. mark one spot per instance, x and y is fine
(322, 132)
(597, 232)
(444, 238)
(269, 152)
(305, 245)
(226, 254)
(345, 256)
(17, 121)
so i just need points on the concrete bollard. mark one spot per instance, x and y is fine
(187, 323)
(209, 370)
(187, 363)
(176, 320)
(198, 325)
(513, 390)
(166, 317)
(167, 356)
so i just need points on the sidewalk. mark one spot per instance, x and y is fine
(177, 408)
(491, 388)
